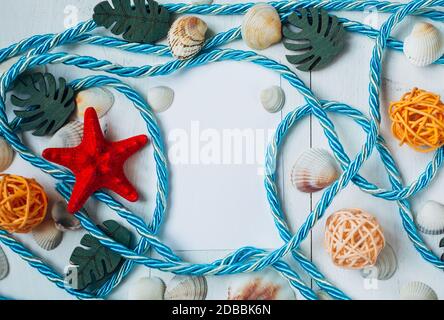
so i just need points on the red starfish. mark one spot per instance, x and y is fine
(97, 163)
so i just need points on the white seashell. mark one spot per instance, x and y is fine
(430, 218)
(322, 295)
(63, 220)
(6, 155)
(4, 265)
(186, 37)
(187, 288)
(69, 136)
(147, 289)
(201, 1)
(47, 236)
(314, 170)
(99, 98)
(263, 285)
(273, 99)
(160, 98)
(6, 65)
(424, 45)
(417, 291)
(261, 27)
(385, 266)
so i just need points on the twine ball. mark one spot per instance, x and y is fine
(418, 120)
(23, 204)
(353, 238)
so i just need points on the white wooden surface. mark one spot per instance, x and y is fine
(217, 207)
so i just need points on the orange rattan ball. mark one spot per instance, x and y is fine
(23, 204)
(353, 238)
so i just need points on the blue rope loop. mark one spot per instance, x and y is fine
(35, 51)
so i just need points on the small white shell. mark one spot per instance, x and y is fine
(69, 136)
(273, 99)
(186, 288)
(47, 236)
(430, 218)
(263, 285)
(147, 289)
(6, 65)
(424, 45)
(186, 37)
(417, 291)
(4, 265)
(6, 155)
(385, 266)
(261, 27)
(63, 220)
(314, 170)
(160, 98)
(100, 99)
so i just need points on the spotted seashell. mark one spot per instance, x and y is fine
(100, 99)
(6, 155)
(186, 37)
(160, 98)
(47, 236)
(430, 218)
(273, 99)
(417, 291)
(385, 267)
(4, 265)
(69, 136)
(186, 288)
(147, 289)
(424, 45)
(63, 220)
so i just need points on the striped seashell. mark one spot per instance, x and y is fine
(147, 289)
(186, 288)
(47, 236)
(186, 37)
(69, 136)
(63, 220)
(424, 45)
(385, 267)
(417, 291)
(6, 155)
(4, 265)
(430, 218)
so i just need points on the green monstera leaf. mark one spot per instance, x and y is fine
(320, 39)
(48, 107)
(143, 23)
(95, 262)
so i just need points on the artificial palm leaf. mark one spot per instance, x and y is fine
(144, 23)
(320, 39)
(48, 107)
(96, 262)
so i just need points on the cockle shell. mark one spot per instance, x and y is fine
(314, 170)
(186, 288)
(273, 99)
(186, 37)
(385, 266)
(430, 218)
(4, 265)
(63, 220)
(160, 98)
(263, 285)
(147, 289)
(261, 27)
(6, 155)
(417, 291)
(100, 99)
(47, 236)
(69, 136)
(424, 45)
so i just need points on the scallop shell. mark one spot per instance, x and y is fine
(273, 99)
(424, 45)
(430, 218)
(6, 155)
(263, 285)
(4, 265)
(6, 65)
(63, 220)
(385, 266)
(314, 170)
(417, 291)
(160, 98)
(69, 136)
(99, 98)
(186, 37)
(47, 236)
(261, 27)
(147, 289)
(187, 288)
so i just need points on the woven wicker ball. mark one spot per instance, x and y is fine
(353, 238)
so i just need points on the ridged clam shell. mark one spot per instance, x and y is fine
(417, 291)
(4, 265)
(6, 155)
(385, 266)
(273, 99)
(47, 236)
(186, 288)
(314, 170)
(63, 220)
(424, 45)
(147, 289)
(186, 37)
(261, 27)
(100, 99)
(69, 136)
(263, 285)
(160, 98)
(430, 219)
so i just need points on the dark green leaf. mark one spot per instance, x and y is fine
(441, 243)
(144, 23)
